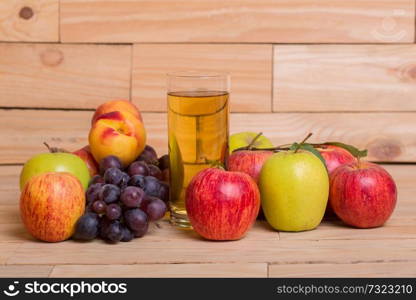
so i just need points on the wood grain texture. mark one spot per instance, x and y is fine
(29, 20)
(69, 129)
(63, 76)
(265, 21)
(331, 250)
(383, 269)
(191, 250)
(240, 270)
(7, 250)
(344, 78)
(23, 271)
(250, 68)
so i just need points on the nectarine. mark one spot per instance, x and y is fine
(117, 133)
(116, 105)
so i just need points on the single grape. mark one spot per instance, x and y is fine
(142, 231)
(155, 172)
(93, 192)
(97, 179)
(164, 162)
(151, 186)
(109, 193)
(136, 219)
(127, 234)
(156, 209)
(132, 196)
(163, 191)
(148, 155)
(124, 180)
(99, 207)
(104, 224)
(114, 232)
(113, 211)
(165, 175)
(113, 176)
(86, 227)
(108, 162)
(137, 180)
(138, 168)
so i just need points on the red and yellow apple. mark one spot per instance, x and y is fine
(117, 133)
(85, 154)
(116, 105)
(362, 194)
(50, 205)
(249, 162)
(335, 156)
(222, 205)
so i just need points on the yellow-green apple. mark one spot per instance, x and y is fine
(50, 205)
(117, 133)
(116, 105)
(55, 162)
(85, 154)
(249, 162)
(335, 156)
(362, 194)
(294, 190)
(222, 205)
(243, 139)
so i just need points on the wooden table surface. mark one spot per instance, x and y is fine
(332, 250)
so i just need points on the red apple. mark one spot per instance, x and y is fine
(335, 156)
(222, 205)
(249, 162)
(362, 194)
(50, 205)
(85, 154)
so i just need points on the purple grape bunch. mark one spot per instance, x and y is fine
(121, 202)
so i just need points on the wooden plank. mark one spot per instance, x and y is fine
(381, 269)
(192, 250)
(265, 21)
(240, 270)
(344, 78)
(23, 271)
(69, 129)
(29, 20)
(63, 76)
(397, 228)
(7, 250)
(250, 68)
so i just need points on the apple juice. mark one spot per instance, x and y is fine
(198, 139)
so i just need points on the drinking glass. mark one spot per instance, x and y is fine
(197, 129)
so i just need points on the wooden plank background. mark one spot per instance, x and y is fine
(345, 70)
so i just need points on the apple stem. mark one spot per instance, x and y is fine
(250, 146)
(54, 149)
(303, 141)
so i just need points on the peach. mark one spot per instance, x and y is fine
(117, 133)
(116, 105)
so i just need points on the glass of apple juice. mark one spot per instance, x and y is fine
(197, 129)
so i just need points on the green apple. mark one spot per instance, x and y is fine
(55, 162)
(243, 139)
(294, 189)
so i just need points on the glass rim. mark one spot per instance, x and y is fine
(198, 74)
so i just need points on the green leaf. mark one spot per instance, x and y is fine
(294, 146)
(351, 149)
(310, 148)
